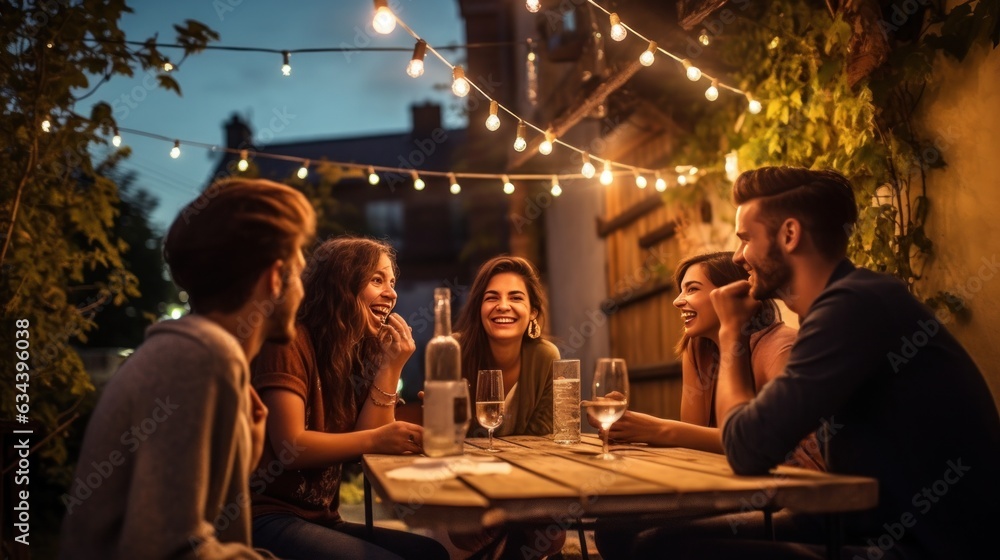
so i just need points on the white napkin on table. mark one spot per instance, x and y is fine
(426, 468)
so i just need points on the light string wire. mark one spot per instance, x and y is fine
(716, 81)
(252, 154)
(624, 168)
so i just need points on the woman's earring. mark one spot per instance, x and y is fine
(534, 331)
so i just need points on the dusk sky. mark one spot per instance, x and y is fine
(328, 94)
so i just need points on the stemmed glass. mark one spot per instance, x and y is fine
(489, 401)
(610, 397)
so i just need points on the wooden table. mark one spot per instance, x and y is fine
(550, 483)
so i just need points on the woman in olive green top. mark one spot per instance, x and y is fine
(500, 328)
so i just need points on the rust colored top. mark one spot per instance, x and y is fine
(311, 494)
(769, 351)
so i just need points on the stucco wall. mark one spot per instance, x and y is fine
(961, 113)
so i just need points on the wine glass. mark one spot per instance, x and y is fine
(489, 401)
(610, 397)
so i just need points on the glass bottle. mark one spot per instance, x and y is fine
(446, 397)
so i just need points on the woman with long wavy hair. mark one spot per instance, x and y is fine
(331, 395)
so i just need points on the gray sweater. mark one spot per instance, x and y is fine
(165, 459)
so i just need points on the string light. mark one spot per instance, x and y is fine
(682, 179)
(640, 181)
(455, 187)
(533, 5)
(703, 38)
(372, 176)
(545, 148)
(415, 68)
(493, 121)
(661, 185)
(753, 105)
(418, 183)
(508, 187)
(712, 93)
(175, 152)
(116, 140)
(607, 177)
(303, 171)
(556, 189)
(243, 165)
(587, 170)
(693, 72)
(459, 85)
(732, 165)
(167, 66)
(286, 66)
(618, 31)
(649, 55)
(520, 143)
(46, 126)
(384, 21)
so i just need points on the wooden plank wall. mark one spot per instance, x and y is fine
(644, 332)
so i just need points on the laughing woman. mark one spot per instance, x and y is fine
(331, 395)
(500, 327)
(770, 342)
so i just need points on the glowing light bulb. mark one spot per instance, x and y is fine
(508, 187)
(520, 143)
(693, 72)
(533, 5)
(693, 170)
(649, 55)
(116, 140)
(286, 66)
(243, 165)
(372, 176)
(175, 152)
(545, 148)
(712, 93)
(618, 31)
(588, 169)
(415, 68)
(556, 189)
(303, 171)
(732, 166)
(606, 176)
(682, 179)
(46, 126)
(640, 181)
(459, 85)
(661, 185)
(753, 106)
(455, 187)
(167, 66)
(703, 38)
(384, 21)
(418, 184)
(493, 121)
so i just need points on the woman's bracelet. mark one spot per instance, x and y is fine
(390, 395)
(376, 402)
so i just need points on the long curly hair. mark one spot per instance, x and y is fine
(721, 270)
(347, 355)
(476, 352)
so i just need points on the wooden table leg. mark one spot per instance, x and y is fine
(369, 522)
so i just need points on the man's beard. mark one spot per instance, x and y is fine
(772, 275)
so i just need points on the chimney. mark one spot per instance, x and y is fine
(238, 133)
(426, 119)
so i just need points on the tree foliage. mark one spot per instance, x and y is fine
(796, 57)
(61, 258)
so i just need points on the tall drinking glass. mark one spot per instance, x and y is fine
(489, 401)
(610, 397)
(566, 401)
